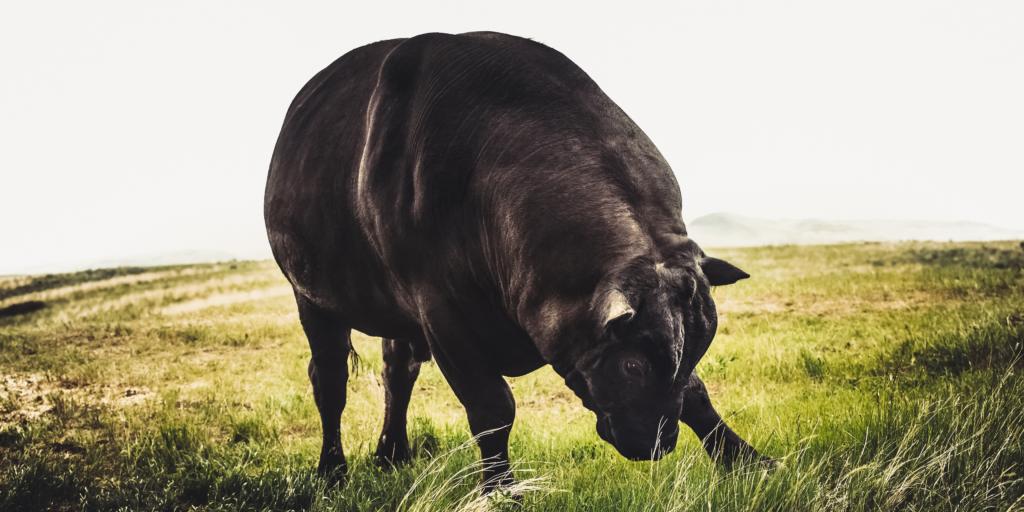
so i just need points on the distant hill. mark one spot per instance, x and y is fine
(731, 230)
(714, 230)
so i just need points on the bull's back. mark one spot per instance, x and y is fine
(309, 205)
(479, 167)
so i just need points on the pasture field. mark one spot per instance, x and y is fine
(883, 376)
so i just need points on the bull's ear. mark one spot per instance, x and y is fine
(616, 308)
(720, 272)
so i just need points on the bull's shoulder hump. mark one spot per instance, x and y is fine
(361, 63)
(434, 62)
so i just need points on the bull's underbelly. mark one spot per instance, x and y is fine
(347, 283)
(364, 303)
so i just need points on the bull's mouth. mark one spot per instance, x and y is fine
(638, 448)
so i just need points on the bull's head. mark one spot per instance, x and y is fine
(653, 322)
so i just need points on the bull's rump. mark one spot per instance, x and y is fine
(311, 223)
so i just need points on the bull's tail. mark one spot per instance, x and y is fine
(354, 361)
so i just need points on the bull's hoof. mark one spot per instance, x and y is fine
(333, 468)
(387, 457)
(336, 477)
(503, 498)
(498, 484)
(733, 456)
(749, 461)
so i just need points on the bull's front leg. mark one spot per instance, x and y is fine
(454, 337)
(491, 410)
(721, 443)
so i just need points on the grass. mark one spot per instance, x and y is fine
(885, 376)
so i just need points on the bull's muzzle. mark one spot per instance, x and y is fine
(639, 442)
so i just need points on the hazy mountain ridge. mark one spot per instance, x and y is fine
(713, 230)
(731, 230)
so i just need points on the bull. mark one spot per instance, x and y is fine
(477, 198)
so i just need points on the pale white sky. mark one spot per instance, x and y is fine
(133, 127)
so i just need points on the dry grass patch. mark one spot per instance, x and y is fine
(821, 304)
(225, 299)
(67, 291)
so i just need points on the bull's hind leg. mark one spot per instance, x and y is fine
(328, 372)
(721, 443)
(400, 371)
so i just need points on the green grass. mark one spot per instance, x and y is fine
(885, 376)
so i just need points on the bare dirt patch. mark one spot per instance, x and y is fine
(26, 397)
(553, 401)
(1016, 318)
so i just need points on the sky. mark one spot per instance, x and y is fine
(139, 127)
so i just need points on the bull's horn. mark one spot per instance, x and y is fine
(617, 307)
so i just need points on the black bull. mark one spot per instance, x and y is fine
(477, 198)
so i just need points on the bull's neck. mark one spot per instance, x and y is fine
(554, 298)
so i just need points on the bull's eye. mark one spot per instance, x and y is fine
(633, 367)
